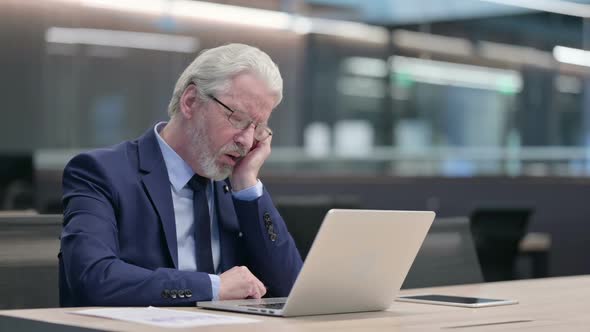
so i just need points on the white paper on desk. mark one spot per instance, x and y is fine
(164, 317)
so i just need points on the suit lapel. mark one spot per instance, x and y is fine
(226, 214)
(157, 185)
(227, 220)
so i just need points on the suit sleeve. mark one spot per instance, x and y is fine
(95, 274)
(272, 254)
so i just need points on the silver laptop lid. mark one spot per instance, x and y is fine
(358, 261)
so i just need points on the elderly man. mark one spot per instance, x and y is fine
(178, 215)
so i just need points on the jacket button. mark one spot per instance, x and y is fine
(188, 293)
(240, 234)
(273, 237)
(166, 293)
(181, 293)
(270, 229)
(173, 293)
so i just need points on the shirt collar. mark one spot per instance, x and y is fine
(179, 172)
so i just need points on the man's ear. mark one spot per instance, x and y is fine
(188, 101)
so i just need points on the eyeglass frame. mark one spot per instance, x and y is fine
(263, 128)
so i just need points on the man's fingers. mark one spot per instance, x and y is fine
(257, 289)
(254, 292)
(265, 142)
(257, 284)
(261, 288)
(239, 282)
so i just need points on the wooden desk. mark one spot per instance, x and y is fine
(553, 304)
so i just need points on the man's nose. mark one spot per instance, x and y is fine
(245, 137)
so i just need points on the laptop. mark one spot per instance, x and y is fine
(356, 263)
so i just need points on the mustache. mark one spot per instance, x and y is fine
(234, 148)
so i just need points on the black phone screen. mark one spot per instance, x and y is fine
(453, 299)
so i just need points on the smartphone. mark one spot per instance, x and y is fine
(459, 301)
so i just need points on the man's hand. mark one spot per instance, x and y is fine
(239, 283)
(245, 172)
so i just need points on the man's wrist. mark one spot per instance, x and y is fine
(215, 286)
(250, 193)
(241, 184)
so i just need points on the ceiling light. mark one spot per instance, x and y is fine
(236, 15)
(118, 38)
(574, 56)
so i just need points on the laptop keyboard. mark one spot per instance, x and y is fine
(265, 305)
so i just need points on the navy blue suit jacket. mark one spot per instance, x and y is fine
(118, 244)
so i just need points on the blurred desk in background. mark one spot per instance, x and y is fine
(29, 244)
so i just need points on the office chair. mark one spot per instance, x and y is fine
(447, 256)
(303, 215)
(497, 233)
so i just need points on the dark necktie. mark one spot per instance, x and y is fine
(202, 224)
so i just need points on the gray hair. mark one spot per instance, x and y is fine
(214, 68)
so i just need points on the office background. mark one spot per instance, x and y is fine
(454, 106)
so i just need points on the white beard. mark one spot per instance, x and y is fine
(201, 151)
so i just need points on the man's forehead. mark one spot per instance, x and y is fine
(251, 102)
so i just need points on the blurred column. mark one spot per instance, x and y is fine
(389, 120)
(21, 52)
(319, 91)
(586, 97)
(538, 121)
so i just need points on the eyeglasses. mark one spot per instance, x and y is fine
(241, 121)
